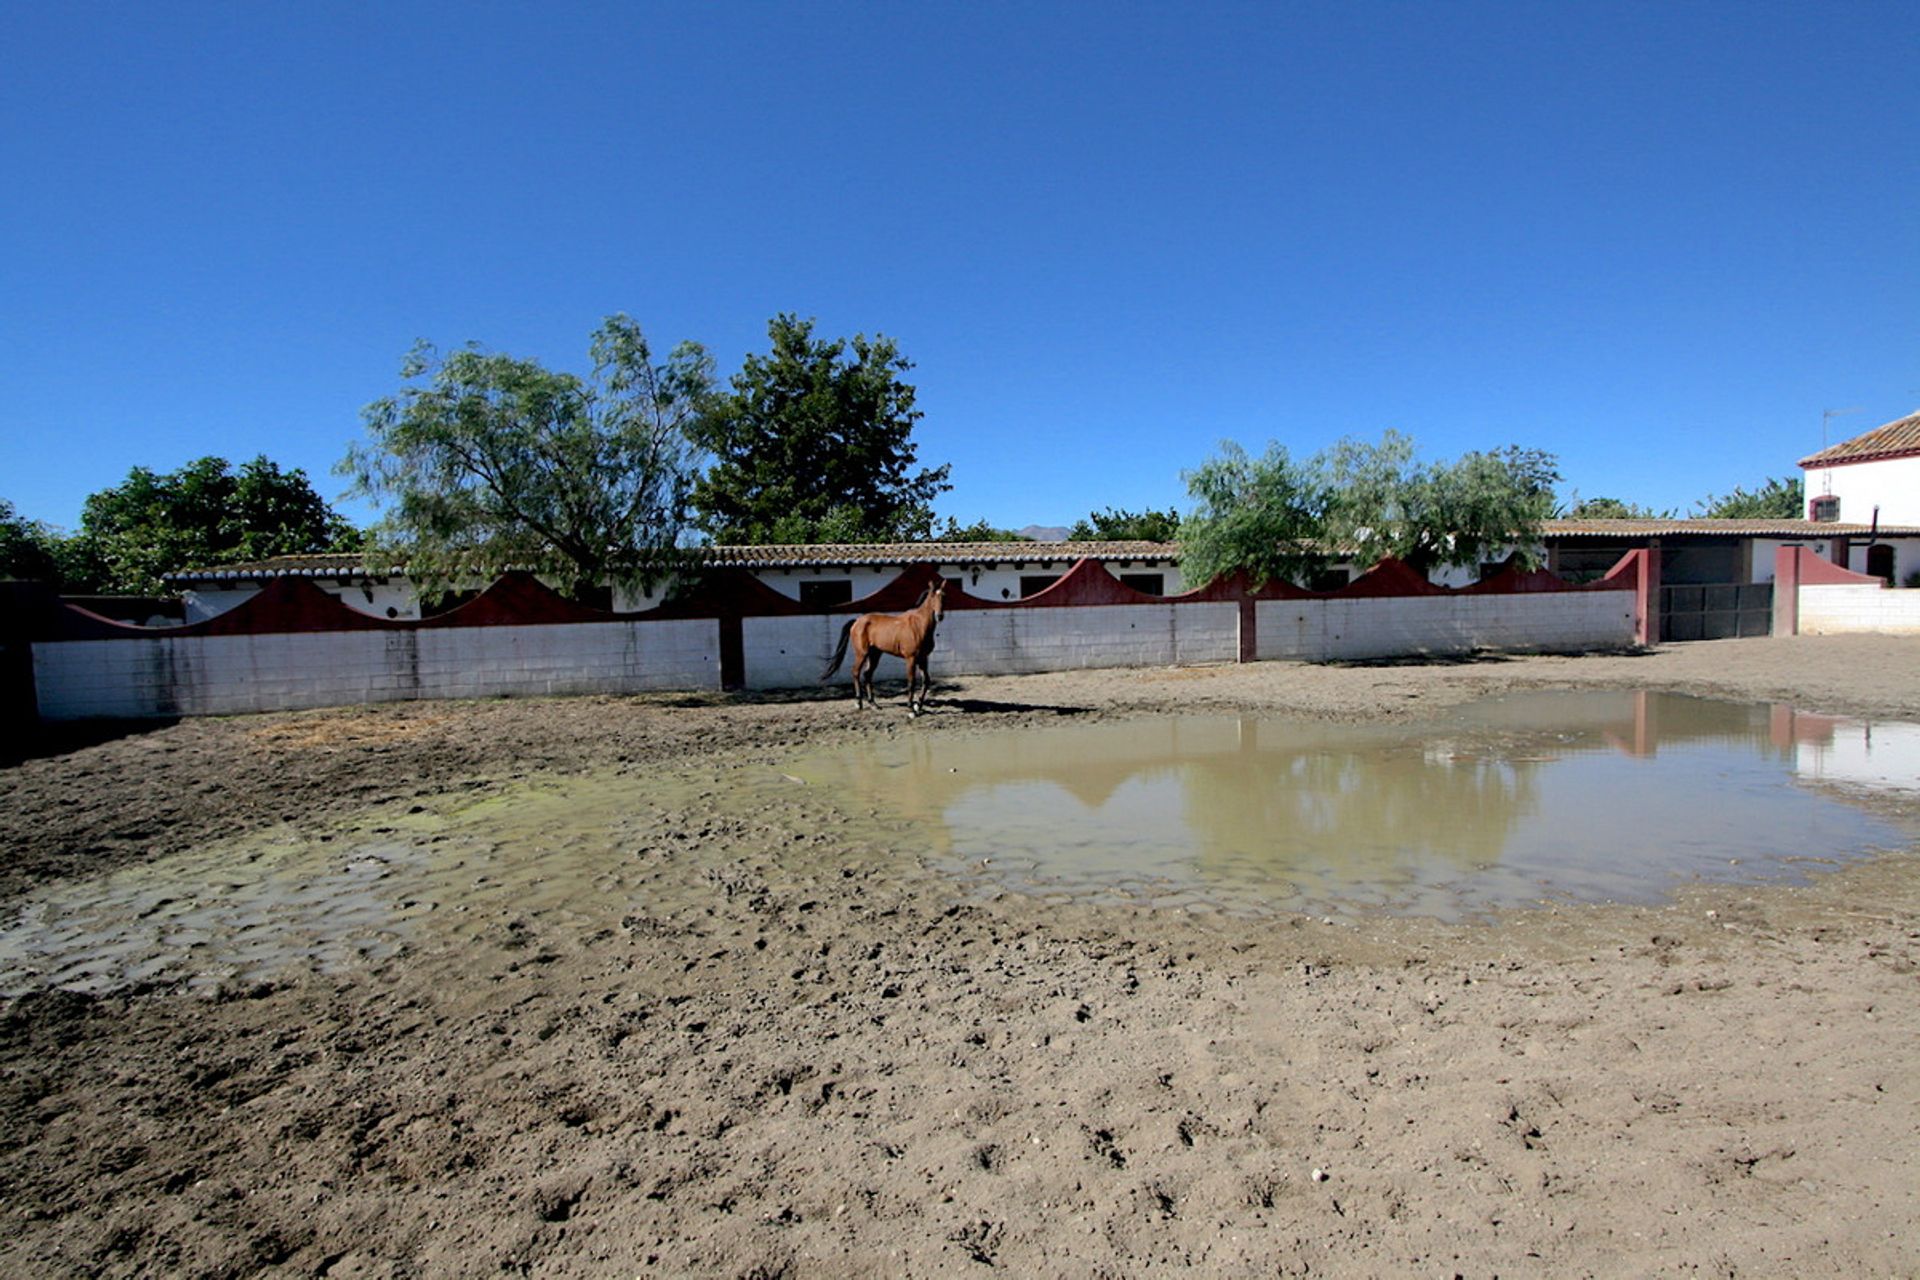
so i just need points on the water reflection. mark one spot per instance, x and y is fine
(1605, 795)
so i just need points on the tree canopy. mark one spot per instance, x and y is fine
(813, 443)
(1280, 519)
(1118, 525)
(205, 513)
(978, 531)
(1264, 515)
(1777, 499)
(29, 549)
(1610, 509)
(489, 461)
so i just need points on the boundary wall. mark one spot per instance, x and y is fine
(292, 645)
(1814, 597)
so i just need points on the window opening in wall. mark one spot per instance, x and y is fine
(1034, 584)
(1880, 561)
(826, 592)
(1152, 584)
(447, 603)
(1326, 579)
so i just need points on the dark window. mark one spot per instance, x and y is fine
(1033, 585)
(824, 593)
(1152, 584)
(1880, 561)
(597, 598)
(1326, 579)
(447, 603)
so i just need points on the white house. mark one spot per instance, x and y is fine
(1872, 479)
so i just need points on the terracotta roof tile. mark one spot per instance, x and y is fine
(1709, 528)
(749, 557)
(1894, 440)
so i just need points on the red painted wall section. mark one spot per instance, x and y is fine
(1797, 567)
(1088, 583)
(515, 599)
(1391, 577)
(1817, 571)
(519, 599)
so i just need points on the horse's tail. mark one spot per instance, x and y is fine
(839, 651)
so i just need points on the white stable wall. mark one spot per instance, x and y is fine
(163, 675)
(1836, 609)
(219, 675)
(791, 652)
(1393, 626)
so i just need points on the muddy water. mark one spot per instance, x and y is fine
(1588, 796)
(1542, 797)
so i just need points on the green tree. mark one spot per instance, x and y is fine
(489, 461)
(1118, 525)
(978, 531)
(1383, 502)
(1266, 515)
(1777, 499)
(1609, 509)
(813, 443)
(203, 514)
(29, 549)
(1279, 519)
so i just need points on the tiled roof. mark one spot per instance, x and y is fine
(1710, 528)
(1895, 440)
(795, 556)
(745, 557)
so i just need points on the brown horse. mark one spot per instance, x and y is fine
(905, 635)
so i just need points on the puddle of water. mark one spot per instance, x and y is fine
(1588, 796)
(1599, 796)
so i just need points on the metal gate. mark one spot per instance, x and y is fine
(1716, 611)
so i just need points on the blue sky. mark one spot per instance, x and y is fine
(1656, 239)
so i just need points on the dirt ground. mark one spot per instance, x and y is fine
(765, 1051)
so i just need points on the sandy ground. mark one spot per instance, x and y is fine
(766, 1048)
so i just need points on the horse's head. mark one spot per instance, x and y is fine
(937, 594)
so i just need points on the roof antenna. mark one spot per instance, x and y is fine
(1828, 415)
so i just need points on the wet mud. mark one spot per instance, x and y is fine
(753, 1039)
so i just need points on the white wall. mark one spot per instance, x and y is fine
(217, 675)
(386, 598)
(193, 675)
(792, 652)
(1891, 483)
(1321, 630)
(1835, 609)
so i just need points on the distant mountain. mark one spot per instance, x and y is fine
(1044, 532)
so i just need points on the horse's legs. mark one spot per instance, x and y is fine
(863, 678)
(913, 671)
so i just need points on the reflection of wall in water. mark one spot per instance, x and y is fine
(1861, 753)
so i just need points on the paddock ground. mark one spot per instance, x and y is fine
(792, 1054)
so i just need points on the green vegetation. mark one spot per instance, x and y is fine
(152, 524)
(1119, 525)
(492, 461)
(1777, 499)
(1279, 519)
(813, 443)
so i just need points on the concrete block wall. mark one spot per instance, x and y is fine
(1390, 626)
(791, 652)
(218, 675)
(1835, 609)
(1023, 641)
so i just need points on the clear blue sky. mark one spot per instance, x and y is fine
(1656, 239)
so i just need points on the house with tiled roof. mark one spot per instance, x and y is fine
(1876, 474)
